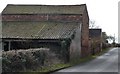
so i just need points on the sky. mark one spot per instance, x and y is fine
(103, 12)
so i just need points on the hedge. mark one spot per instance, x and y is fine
(23, 60)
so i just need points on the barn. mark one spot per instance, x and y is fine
(62, 28)
(95, 40)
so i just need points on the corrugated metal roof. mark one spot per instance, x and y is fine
(44, 9)
(41, 30)
(95, 32)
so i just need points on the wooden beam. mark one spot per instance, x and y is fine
(9, 45)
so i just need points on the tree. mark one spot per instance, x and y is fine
(104, 37)
(92, 24)
(111, 38)
(104, 40)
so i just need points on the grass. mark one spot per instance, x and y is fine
(102, 52)
(89, 58)
(47, 69)
(54, 67)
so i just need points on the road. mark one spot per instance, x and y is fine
(107, 62)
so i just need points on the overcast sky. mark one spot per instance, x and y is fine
(103, 12)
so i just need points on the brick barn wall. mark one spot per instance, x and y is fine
(95, 43)
(85, 51)
(43, 17)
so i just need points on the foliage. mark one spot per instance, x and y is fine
(106, 37)
(95, 45)
(92, 24)
(22, 60)
(54, 67)
(111, 38)
(47, 69)
(65, 44)
(72, 63)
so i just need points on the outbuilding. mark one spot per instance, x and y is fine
(95, 40)
(62, 28)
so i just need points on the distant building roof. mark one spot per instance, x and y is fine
(95, 32)
(44, 9)
(39, 30)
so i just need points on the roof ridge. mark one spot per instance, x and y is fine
(39, 9)
(44, 5)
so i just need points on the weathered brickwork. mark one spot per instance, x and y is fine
(42, 17)
(85, 51)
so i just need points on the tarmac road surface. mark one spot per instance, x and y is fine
(107, 62)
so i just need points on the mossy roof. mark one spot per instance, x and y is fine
(39, 30)
(44, 9)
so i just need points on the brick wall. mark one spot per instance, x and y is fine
(43, 17)
(95, 43)
(85, 51)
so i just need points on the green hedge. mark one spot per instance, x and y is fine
(22, 60)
